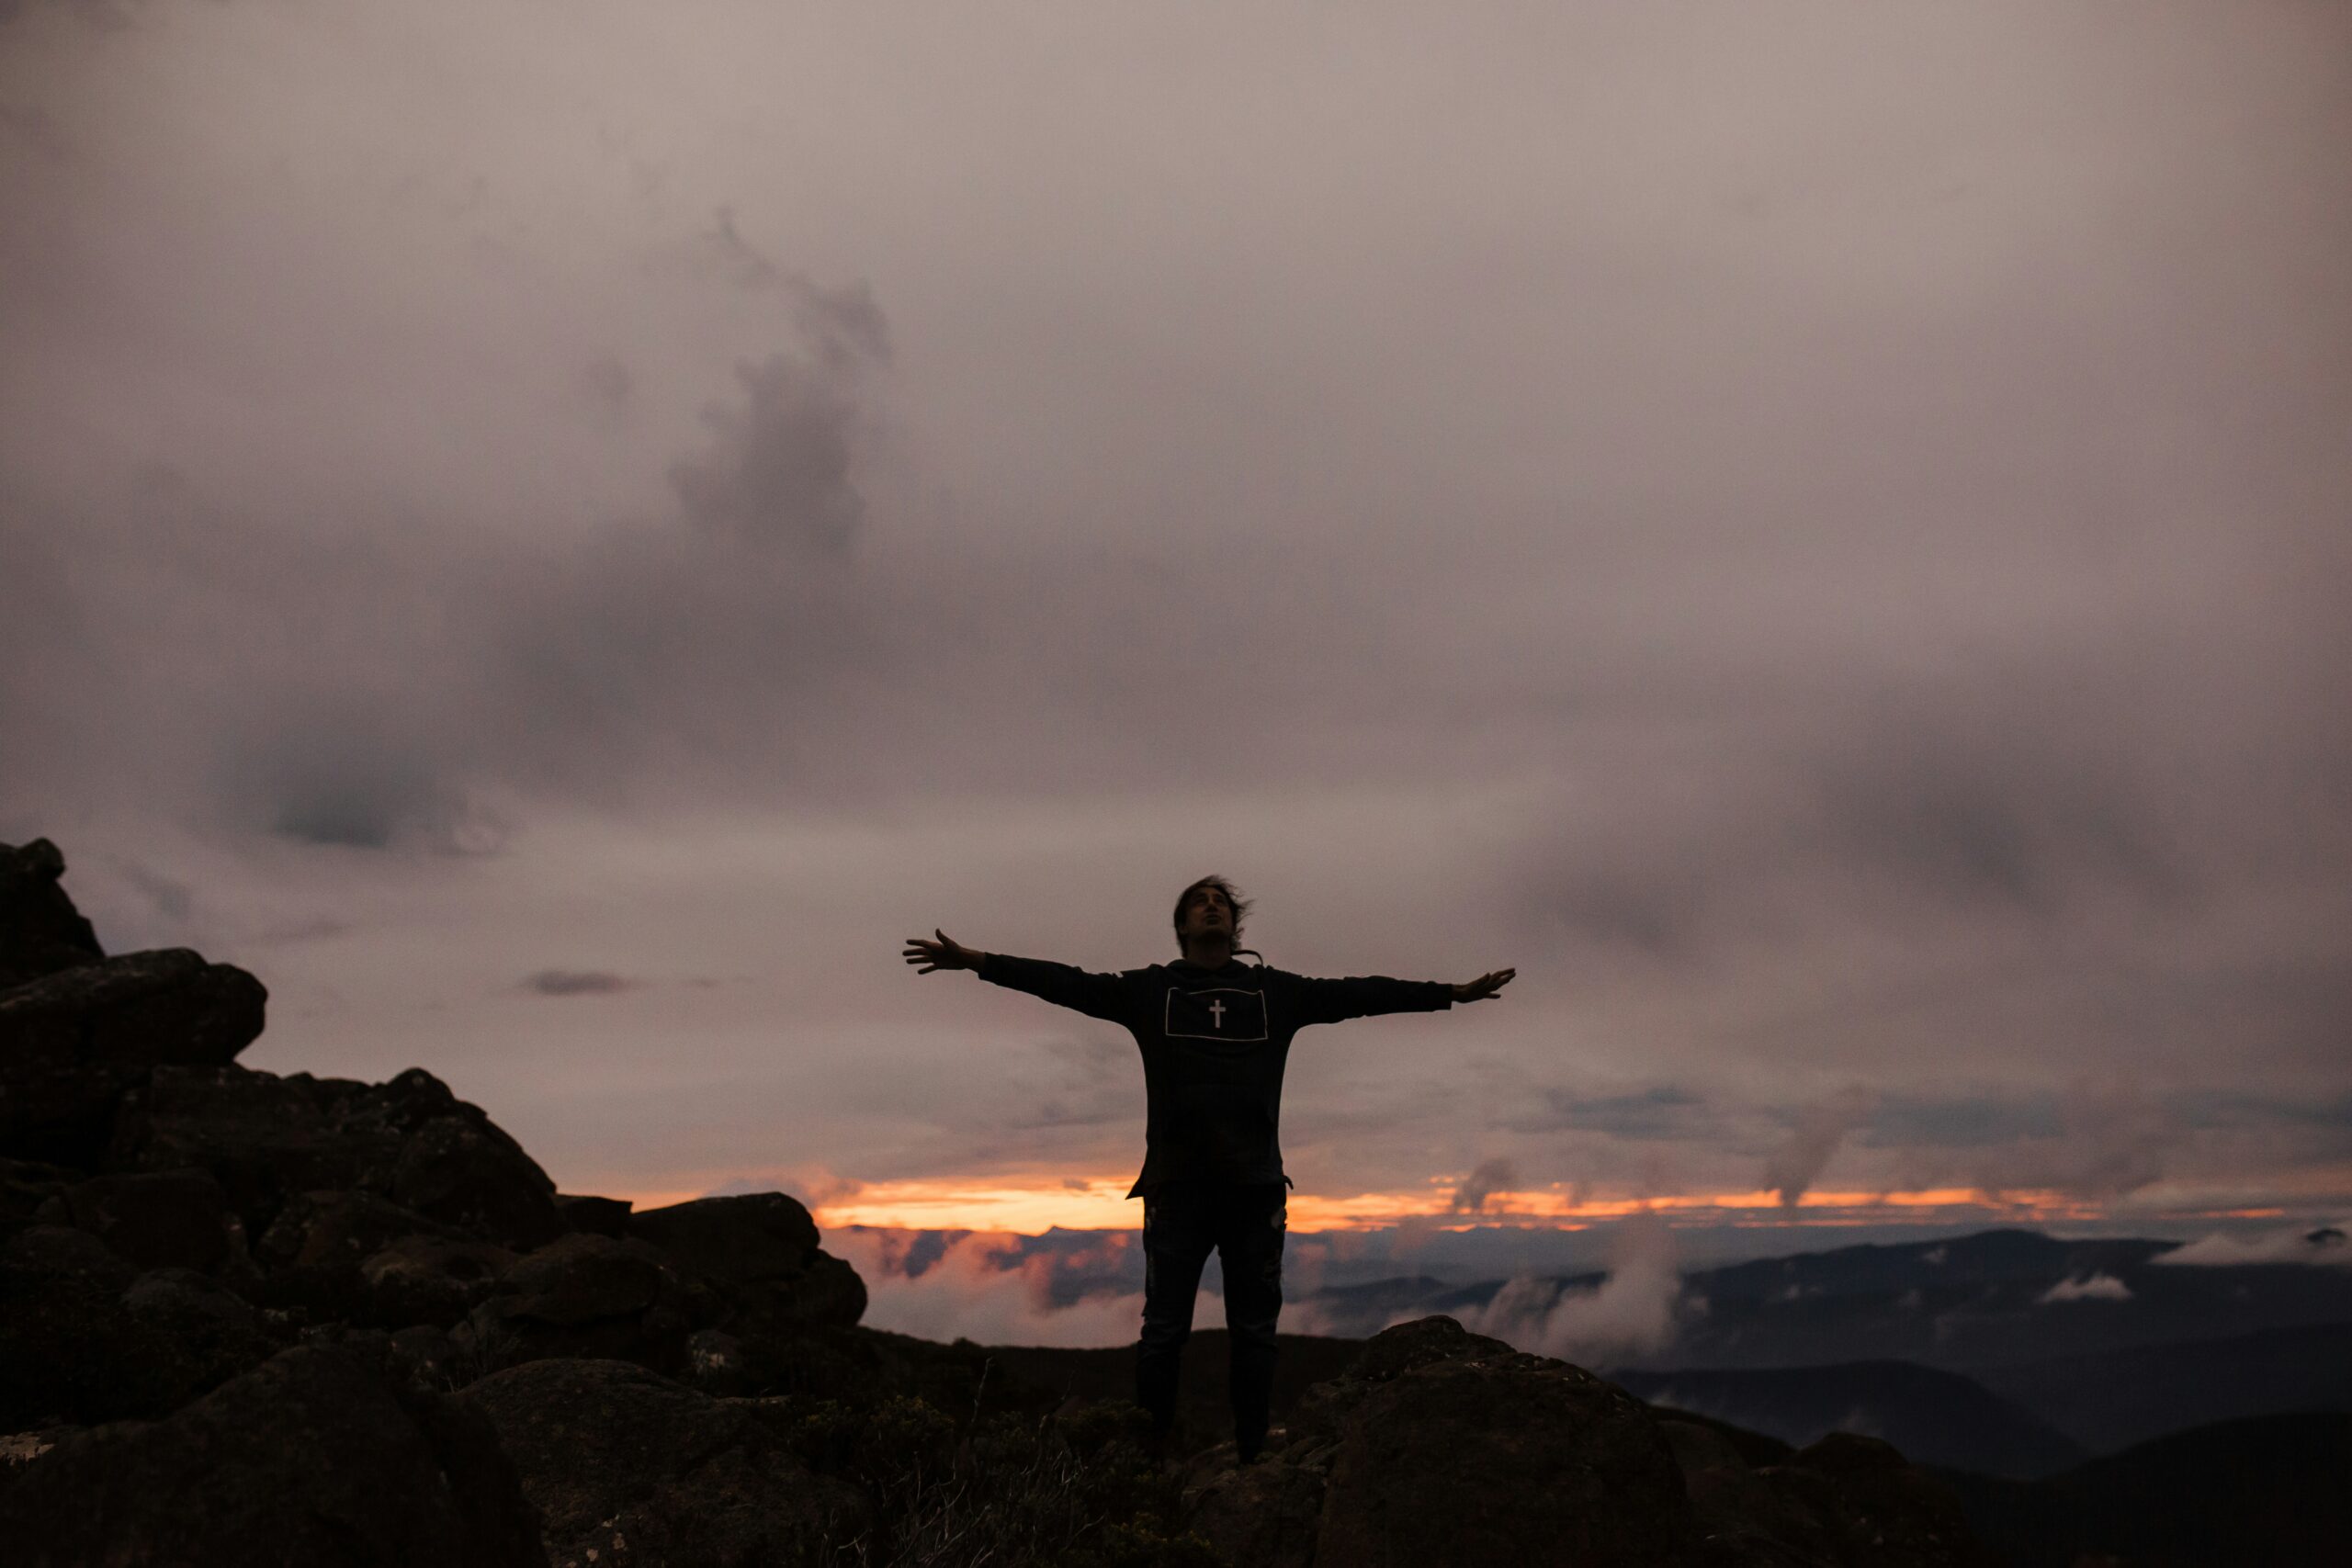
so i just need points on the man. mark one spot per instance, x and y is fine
(1215, 1033)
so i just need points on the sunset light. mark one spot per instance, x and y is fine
(1034, 1206)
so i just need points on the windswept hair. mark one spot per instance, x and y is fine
(1232, 897)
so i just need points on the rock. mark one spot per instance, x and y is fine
(424, 1357)
(734, 1240)
(464, 1170)
(72, 1042)
(27, 1187)
(198, 1304)
(1266, 1514)
(429, 1279)
(586, 1277)
(312, 1253)
(1486, 1458)
(1749, 1517)
(408, 1140)
(1883, 1509)
(604, 1216)
(20, 1450)
(161, 1218)
(40, 931)
(758, 1253)
(716, 1364)
(265, 1138)
(308, 1458)
(584, 1296)
(632, 1467)
(84, 1337)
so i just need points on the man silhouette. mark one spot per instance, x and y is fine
(1215, 1033)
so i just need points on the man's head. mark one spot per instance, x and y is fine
(1210, 911)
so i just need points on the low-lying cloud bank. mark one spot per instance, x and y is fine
(2324, 1245)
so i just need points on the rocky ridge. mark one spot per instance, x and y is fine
(256, 1318)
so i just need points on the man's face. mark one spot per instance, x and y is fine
(1206, 909)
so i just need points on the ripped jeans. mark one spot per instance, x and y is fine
(1244, 1225)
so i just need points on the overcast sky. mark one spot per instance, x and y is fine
(558, 534)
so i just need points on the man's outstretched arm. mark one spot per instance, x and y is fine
(1097, 996)
(1327, 1001)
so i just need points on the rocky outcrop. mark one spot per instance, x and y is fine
(73, 1040)
(584, 1295)
(157, 1219)
(409, 1142)
(309, 1459)
(627, 1467)
(85, 1335)
(1442, 1446)
(40, 931)
(759, 1253)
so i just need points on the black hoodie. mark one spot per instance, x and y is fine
(1213, 1044)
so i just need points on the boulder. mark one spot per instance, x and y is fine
(40, 931)
(308, 1458)
(757, 1254)
(1880, 1508)
(1444, 1447)
(1266, 1514)
(732, 1240)
(84, 1337)
(263, 1138)
(629, 1466)
(716, 1363)
(463, 1169)
(408, 1140)
(33, 1191)
(584, 1296)
(428, 1280)
(1482, 1458)
(424, 1357)
(72, 1042)
(156, 1219)
(338, 1228)
(605, 1216)
(585, 1278)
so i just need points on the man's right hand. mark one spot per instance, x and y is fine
(945, 954)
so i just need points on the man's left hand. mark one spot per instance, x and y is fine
(1485, 987)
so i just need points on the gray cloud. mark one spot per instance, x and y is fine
(577, 983)
(1663, 1111)
(777, 469)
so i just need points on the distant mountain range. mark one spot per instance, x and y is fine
(1935, 1418)
(2008, 1352)
(2263, 1493)
(1995, 1299)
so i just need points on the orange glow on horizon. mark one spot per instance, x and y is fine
(1029, 1204)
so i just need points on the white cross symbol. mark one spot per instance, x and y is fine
(1216, 1011)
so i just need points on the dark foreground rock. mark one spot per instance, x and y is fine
(627, 1467)
(269, 1139)
(759, 1252)
(40, 931)
(85, 1335)
(1442, 1447)
(309, 1460)
(73, 1042)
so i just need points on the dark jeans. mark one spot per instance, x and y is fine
(1181, 1224)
